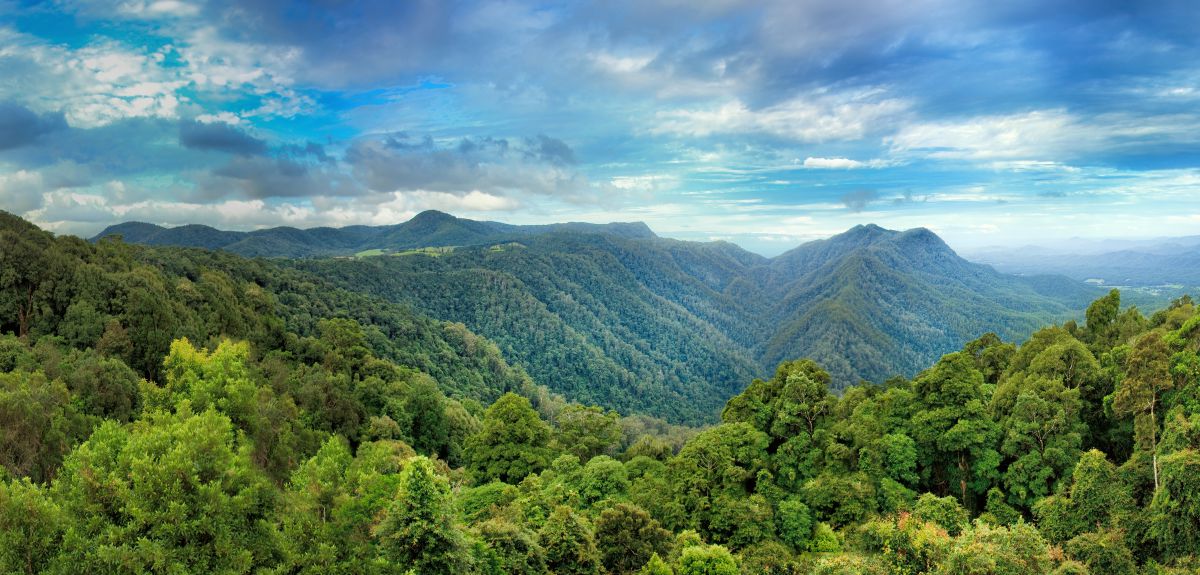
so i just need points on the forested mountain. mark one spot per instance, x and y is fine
(644, 322)
(614, 315)
(430, 228)
(188, 411)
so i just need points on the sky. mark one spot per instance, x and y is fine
(765, 123)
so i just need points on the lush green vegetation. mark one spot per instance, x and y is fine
(615, 316)
(173, 411)
(675, 328)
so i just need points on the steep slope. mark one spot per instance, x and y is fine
(136, 299)
(582, 313)
(615, 315)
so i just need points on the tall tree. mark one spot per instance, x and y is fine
(171, 493)
(628, 537)
(953, 428)
(31, 526)
(1147, 377)
(418, 530)
(569, 544)
(587, 431)
(511, 444)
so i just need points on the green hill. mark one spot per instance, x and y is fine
(614, 315)
(426, 229)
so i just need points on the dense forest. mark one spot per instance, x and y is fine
(186, 411)
(615, 316)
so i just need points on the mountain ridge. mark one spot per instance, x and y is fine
(430, 228)
(615, 315)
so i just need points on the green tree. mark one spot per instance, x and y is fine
(38, 424)
(952, 428)
(627, 537)
(510, 549)
(1101, 319)
(805, 399)
(568, 543)
(1175, 509)
(1097, 499)
(706, 560)
(23, 271)
(721, 461)
(1042, 434)
(511, 444)
(587, 431)
(987, 550)
(31, 527)
(655, 566)
(418, 530)
(946, 512)
(795, 523)
(1103, 553)
(603, 477)
(1147, 377)
(318, 536)
(429, 430)
(824, 540)
(173, 492)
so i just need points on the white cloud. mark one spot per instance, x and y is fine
(817, 163)
(1030, 135)
(817, 117)
(21, 191)
(1040, 138)
(159, 9)
(94, 85)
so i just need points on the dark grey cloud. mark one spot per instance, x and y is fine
(552, 150)
(308, 150)
(264, 177)
(539, 165)
(220, 137)
(122, 149)
(857, 200)
(349, 44)
(20, 126)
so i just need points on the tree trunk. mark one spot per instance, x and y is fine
(962, 476)
(1154, 445)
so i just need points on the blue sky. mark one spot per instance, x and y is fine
(766, 123)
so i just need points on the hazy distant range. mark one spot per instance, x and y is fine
(1162, 264)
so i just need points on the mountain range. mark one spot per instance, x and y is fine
(1160, 262)
(617, 316)
(427, 229)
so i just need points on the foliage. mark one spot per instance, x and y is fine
(627, 537)
(706, 560)
(418, 528)
(185, 411)
(511, 444)
(570, 547)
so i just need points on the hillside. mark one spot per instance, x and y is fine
(192, 411)
(614, 315)
(429, 228)
(690, 320)
(145, 297)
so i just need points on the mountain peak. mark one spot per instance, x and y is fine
(431, 216)
(862, 234)
(922, 238)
